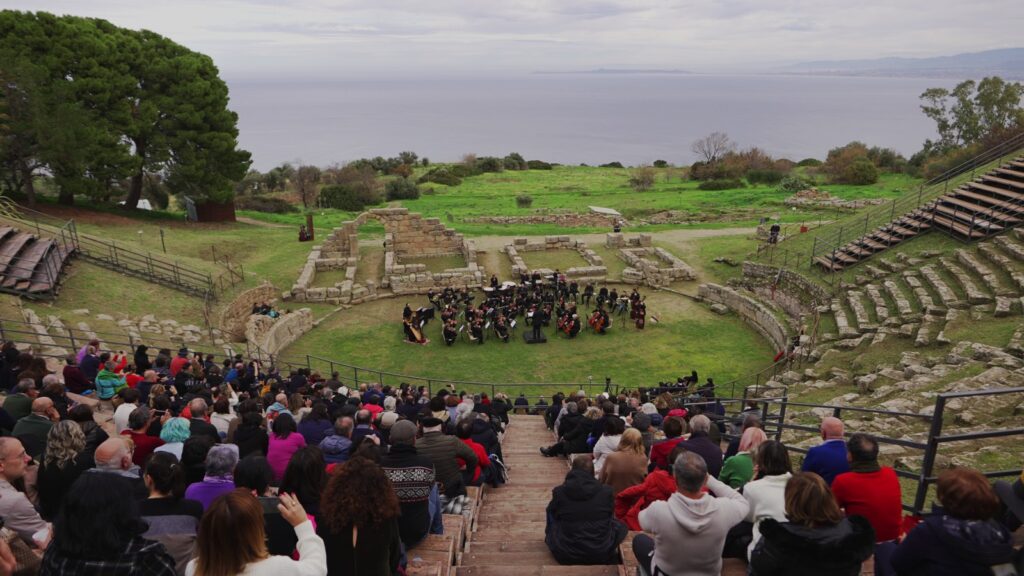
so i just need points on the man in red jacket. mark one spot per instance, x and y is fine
(870, 490)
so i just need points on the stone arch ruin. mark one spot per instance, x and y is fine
(406, 236)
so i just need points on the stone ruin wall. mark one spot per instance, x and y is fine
(596, 271)
(754, 313)
(235, 315)
(405, 236)
(271, 335)
(795, 294)
(643, 267)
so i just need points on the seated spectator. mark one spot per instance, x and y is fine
(690, 527)
(198, 426)
(173, 434)
(484, 434)
(144, 444)
(642, 422)
(870, 490)
(658, 485)
(82, 415)
(336, 446)
(19, 404)
(114, 458)
(316, 425)
(73, 378)
(219, 478)
(472, 476)
(305, 478)
(364, 427)
(232, 540)
(828, 459)
(700, 443)
(766, 493)
(608, 442)
(581, 526)
(574, 441)
(627, 465)
(674, 428)
(222, 416)
(129, 402)
(444, 451)
(193, 458)
(17, 512)
(412, 476)
(961, 538)
(250, 436)
(54, 390)
(64, 462)
(739, 469)
(173, 520)
(99, 532)
(749, 421)
(359, 520)
(283, 443)
(89, 362)
(817, 539)
(33, 429)
(109, 382)
(254, 474)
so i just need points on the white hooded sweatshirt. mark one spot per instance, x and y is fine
(689, 534)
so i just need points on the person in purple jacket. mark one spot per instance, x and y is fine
(219, 479)
(828, 459)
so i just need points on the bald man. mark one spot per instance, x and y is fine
(32, 429)
(114, 456)
(828, 459)
(18, 513)
(198, 424)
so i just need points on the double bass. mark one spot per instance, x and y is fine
(599, 321)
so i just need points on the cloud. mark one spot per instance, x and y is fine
(315, 37)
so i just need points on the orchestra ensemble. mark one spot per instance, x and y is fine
(535, 300)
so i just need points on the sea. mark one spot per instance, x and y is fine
(574, 118)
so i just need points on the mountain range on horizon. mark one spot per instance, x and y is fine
(1005, 62)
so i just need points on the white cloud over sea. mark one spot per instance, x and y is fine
(322, 38)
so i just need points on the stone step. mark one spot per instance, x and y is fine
(974, 294)
(920, 292)
(842, 322)
(999, 260)
(991, 281)
(854, 299)
(879, 303)
(1015, 250)
(906, 311)
(946, 294)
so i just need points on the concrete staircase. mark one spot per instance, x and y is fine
(987, 205)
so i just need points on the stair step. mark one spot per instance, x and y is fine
(1004, 181)
(993, 190)
(520, 570)
(980, 212)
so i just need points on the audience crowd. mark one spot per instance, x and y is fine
(173, 464)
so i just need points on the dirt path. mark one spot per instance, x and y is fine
(260, 223)
(674, 236)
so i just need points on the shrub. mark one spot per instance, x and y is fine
(839, 161)
(642, 179)
(809, 162)
(441, 175)
(524, 201)
(489, 164)
(514, 161)
(660, 163)
(425, 161)
(792, 184)
(720, 170)
(403, 170)
(352, 196)
(538, 165)
(264, 204)
(728, 184)
(861, 171)
(611, 165)
(464, 170)
(769, 177)
(401, 189)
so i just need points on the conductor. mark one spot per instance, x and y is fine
(540, 317)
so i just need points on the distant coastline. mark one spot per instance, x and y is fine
(618, 71)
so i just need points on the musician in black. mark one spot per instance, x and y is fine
(588, 293)
(450, 331)
(494, 281)
(574, 291)
(538, 320)
(501, 328)
(406, 312)
(476, 330)
(602, 296)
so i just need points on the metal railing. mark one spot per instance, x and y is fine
(852, 230)
(110, 254)
(775, 409)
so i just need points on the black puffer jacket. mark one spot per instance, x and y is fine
(567, 423)
(582, 528)
(793, 550)
(946, 546)
(576, 439)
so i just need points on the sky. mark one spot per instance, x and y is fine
(308, 39)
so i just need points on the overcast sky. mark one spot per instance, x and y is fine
(321, 38)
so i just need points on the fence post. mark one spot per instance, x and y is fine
(71, 337)
(2, 335)
(782, 414)
(929, 453)
(814, 250)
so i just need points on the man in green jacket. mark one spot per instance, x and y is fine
(108, 382)
(37, 425)
(19, 404)
(443, 450)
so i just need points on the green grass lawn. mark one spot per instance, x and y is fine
(438, 263)
(689, 337)
(553, 259)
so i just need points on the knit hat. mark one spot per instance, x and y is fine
(403, 432)
(641, 421)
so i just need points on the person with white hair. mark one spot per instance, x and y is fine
(219, 478)
(700, 443)
(114, 457)
(18, 513)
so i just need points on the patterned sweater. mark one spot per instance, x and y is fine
(412, 475)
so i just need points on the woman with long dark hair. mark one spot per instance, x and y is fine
(173, 520)
(359, 520)
(305, 477)
(99, 532)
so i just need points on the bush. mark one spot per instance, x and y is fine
(441, 175)
(861, 171)
(538, 165)
(840, 160)
(611, 165)
(729, 184)
(514, 161)
(353, 196)
(792, 184)
(464, 170)
(401, 189)
(402, 170)
(769, 177)
(812, 162)
(660, 163)
(489, 164)
(267, 204)
(524, 201)
(642, 179)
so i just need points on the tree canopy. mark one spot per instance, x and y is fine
(972, 110)
(103, 108)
